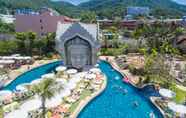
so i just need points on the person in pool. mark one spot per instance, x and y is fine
(125, 91)
(152, 115)
(135, 104)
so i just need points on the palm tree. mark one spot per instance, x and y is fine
(47, 89)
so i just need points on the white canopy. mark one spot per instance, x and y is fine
(72, 71)
(97, 65)
(23, 58)
(5, 92)
(94, 70)
(7, 61)
(21, 88)
(167, 93)
(36, 81)
(7, 57)
(62, 81)
(61, 68)
(49, 75)
(90, 76)
(177, 108)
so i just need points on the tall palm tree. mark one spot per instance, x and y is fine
(47, 89)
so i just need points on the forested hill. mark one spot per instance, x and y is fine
(104, 8)
(62, 7)
(111, 8)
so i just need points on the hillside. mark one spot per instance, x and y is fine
(62, 7)
(103, 8)
(111, 8)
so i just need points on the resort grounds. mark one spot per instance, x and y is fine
(79, 88)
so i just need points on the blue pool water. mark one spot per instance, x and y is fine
(112, 103)
(31, 75)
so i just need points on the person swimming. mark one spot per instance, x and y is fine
(135, 104)
(124, 91)
(152, 115)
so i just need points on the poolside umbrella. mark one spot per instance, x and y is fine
(36, 81)
(177, 107)
(5, 94)
(49, 75)
(62, 81)
(61, 68)
(21, 88)
(81, 74)
(167, 93)
(95, 70)
(72, 71)
(90, 76)
(97, 65)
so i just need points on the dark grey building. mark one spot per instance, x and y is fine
(78, 44)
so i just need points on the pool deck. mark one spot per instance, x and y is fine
(86, 101)
(116, 67)
(13, 74)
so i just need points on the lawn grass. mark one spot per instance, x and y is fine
(180, 95)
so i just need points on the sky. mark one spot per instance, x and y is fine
(180, 1)
(76, 2)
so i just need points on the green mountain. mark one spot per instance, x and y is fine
(60, 6)
(112, 8)
(103, 8)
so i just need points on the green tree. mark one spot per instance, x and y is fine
(47, 89)
(8, 47)
(31, 37)
(158, 34)
(115, 36)
(88, 17)
(49, 41)
(20, 39)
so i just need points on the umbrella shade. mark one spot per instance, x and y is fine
(21, 88)
(49, 75)
(72, 71)
(97, 65)
(167, 93)
(36, 81)
(61, 68)
(90, 76)
(5, 92)
(177, 108)
(94, 70)
(62, 81)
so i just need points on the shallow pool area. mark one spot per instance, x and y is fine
(119, 100)
(33, 74)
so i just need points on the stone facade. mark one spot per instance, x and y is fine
(78, 44)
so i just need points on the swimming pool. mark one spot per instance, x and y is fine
(33, 74)
(113, 103)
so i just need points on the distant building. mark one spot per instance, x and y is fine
(129, 24)
(26, 11)
(184, 21)
(78, 44)
(7, 18)
(43, 22)
(135, 11)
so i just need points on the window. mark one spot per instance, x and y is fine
(41, 21)
(41, 27)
